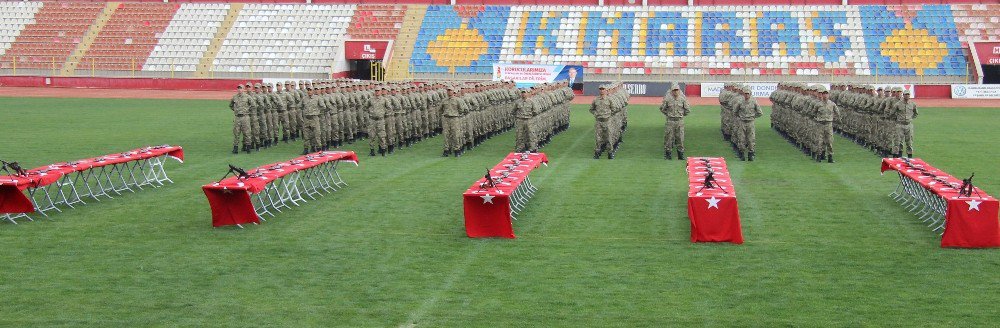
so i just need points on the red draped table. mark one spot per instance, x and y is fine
(66, 184)
(934, 196)
(270, 188)
(489, 207)
(714, 214)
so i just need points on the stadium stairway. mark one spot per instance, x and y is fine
(73, 61)
(205, 64)
(399, 65)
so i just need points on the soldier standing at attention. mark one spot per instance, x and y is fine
(825, 113)
(376, 124)
(451, 118)
(524, 112)
(310, 124)
(674, 107)
(282, 110)
(746, 112)
(906, 112)
(241, 122)
(601, 109)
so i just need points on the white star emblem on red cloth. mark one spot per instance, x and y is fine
(487, 199)
(973, 204)
(713, 202)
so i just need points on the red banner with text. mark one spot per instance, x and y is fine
(989, 53)
(365, 50)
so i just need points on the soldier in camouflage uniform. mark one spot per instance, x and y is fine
(601, 109)
(311, 133)
(674, 107)
(451, 115)
(905, 112)
(240, 105)
(745, 113)
(377, 138)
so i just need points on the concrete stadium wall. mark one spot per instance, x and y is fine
(939, 91)
(586, 2)
(124, 83)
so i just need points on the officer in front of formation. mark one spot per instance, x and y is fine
(746, 134)
(675, 107)
(240, 105)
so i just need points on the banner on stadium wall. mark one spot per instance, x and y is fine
(975, 91)
(529, 75)
(365, 49)
(989, 53)
(764, 90)
(759, 90)
(639, 89)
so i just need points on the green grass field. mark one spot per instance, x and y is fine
(604, 243)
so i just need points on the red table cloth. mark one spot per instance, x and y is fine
(13, 199)
(970, 222)
(487, 210)
(230, 198)
(714, 212)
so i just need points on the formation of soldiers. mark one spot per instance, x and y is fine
(881, 120)
(400, 114)
(475, 112)
(610, 118)
(541, 112)
(739, 110)
(265, 114)
(329, 113)
(804, 115)
(675, 107)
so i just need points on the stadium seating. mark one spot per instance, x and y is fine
(283, 39)
(13, 17)
(376, 22)
(127, 39)
(977, 22)
(697, 43)
(57, 29)
(460, 39)
(907, 40)
(184, 42)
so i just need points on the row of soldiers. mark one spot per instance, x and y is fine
(475, 112)
(739, 110)
(325, 113)
(401, 114)
(804, 115)
(610, 118)
(881, 120)
(265, 113)
(542, 112)
(675, 107)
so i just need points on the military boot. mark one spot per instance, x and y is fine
(392, 149)
(909, 155)
(668, 155)
(236, 149)
(611, 154)
(305, 151)
(381, 151)
(740, 155)
(680, 155)
(371, 152)
(750, 157)
(829, 158)
(284, 139)
(445, 154)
